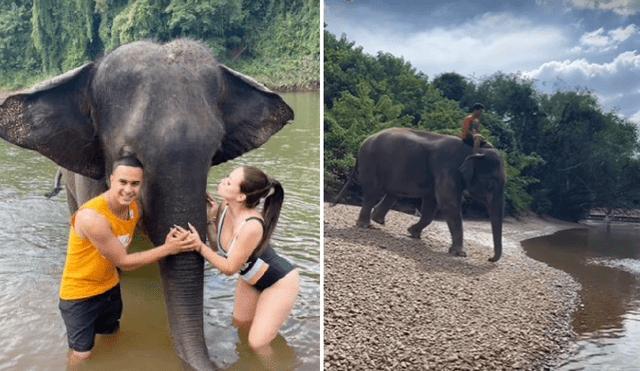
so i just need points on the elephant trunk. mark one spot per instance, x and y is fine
(182, 274)
(182, 283)
(496, 211)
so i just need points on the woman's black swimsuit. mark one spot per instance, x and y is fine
(278, 267)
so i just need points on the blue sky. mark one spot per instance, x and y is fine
(561, 44)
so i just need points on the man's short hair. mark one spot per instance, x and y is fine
(126, 161)
(478, 106)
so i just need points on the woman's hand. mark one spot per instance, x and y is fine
(190, 239)
(212, 208)
(175, 241)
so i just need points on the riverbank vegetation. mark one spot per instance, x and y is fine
(275, 41)
(563, 153)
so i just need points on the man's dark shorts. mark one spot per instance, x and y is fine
(87, 317)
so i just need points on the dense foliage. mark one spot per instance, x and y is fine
(563, 154)
(276, 41)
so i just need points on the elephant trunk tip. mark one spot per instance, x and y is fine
(495, 258)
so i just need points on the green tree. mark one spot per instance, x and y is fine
(586, 153)
(15, 34)
(344, 66)
(46, 27)
(452, 85)
(216, 22)
(139, 19)
(62, 32)
(351, 120)
(278, 40)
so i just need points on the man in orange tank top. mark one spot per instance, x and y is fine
(471, 125)
(101, 229)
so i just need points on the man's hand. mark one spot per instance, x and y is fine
(191, 239)
(176, 242)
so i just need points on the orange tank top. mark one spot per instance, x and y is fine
(470, 124)
(86, 272)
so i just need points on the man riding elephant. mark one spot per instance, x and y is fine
(471, 127)
(404, 162)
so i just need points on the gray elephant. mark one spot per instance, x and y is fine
(436, 168)
(179, 111)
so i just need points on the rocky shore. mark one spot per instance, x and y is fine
(394, 303)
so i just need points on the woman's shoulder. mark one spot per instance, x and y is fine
(253, 222)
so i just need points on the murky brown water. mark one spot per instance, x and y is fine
(33, 236)
(607, 265)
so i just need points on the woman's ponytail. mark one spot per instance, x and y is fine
(258, 186)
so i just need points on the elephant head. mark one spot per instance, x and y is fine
(484, 178)
(179, 111)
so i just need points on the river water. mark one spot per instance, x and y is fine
(33, 236)
(606, 262)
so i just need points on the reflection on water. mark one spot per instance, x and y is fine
(606, 263)
(33, 236)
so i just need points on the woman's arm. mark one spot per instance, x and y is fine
(248, 239)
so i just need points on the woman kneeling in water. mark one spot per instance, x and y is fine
(240, 235)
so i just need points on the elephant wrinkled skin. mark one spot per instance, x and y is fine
(179, 111)
(404, 162)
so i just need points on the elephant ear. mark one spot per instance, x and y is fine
(251, 114)
(54, 119)
(468, 168)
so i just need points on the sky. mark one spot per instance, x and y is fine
(566, 45)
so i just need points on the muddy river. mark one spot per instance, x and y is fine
(606, 263)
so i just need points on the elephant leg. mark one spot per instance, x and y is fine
(71, 201)
(364, 219)
(454, 221)
(382, 208)
(428, 212)
(449, 203)
(81, 189)
(368, 201)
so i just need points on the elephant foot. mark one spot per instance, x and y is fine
(362, 224)
(378, 220)
(456, 252)
(415, 233)
(376, 217)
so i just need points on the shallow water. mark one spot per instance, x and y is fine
(33, 236)
(606, 262)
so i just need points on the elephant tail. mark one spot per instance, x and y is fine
(347, 184)
(57, 184)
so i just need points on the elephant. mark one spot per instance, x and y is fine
(176, 109)
(405, 162)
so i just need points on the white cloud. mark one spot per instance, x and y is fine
(598, 41)
(622, 7)
(623, 73)
(636, 118)
(617, 83)
(483, 45)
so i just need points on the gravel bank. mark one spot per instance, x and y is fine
(391, 302)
